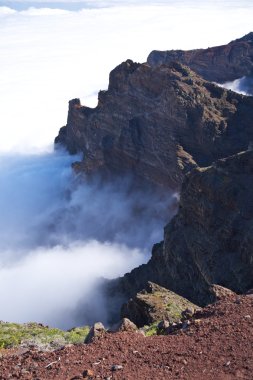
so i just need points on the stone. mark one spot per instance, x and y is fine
(220, 292)
(116, 367)
(97, 331)
(88, 374)
(163, 325)
(153, 304)
(188, 313)
(125, 325)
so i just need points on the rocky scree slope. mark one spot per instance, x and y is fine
(157, 122)
(216, 345)
(209, 241)
(218, 64)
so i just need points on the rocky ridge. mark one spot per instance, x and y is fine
(209, 241)
(157, 123)
(217, 64)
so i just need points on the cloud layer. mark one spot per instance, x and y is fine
(49, 56)
(59, 236)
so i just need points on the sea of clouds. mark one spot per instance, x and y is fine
(58, 237)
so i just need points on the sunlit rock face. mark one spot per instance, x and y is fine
(219, 64)
(209, 241)
(158, 123)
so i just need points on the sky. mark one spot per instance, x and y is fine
(57, 236)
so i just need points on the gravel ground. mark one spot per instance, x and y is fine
(218, 345)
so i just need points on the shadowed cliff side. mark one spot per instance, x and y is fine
(157, 123)
(209, 241)
(219, 64)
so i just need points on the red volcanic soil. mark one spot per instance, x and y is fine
(218, 346)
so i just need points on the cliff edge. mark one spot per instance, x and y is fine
(210, 240)
(218, 64)
(157, 123)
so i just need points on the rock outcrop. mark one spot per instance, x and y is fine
(210, 240)
(157, 122)
(219, 64)
(97, 331)
(166, 125)
(124, 325)
(155, 303)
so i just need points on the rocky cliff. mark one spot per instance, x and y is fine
(210, 240)
(163, 123)
(157, 122)
(219, 64)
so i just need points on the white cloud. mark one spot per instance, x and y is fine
(242, 85)
(47, 285)
(49, 56)
(58, 237)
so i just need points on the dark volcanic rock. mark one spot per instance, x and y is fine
(157, 123)
(124, 325)
(218, 64)
(97, 331)
(210, 240)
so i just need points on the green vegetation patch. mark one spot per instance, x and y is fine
(151, 329)
(174, 311)
(43, 337)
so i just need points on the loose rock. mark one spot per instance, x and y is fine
(97, 331)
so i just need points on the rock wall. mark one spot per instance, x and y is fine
(218, 64)
(164, 124)
(157, 123)
(210, 240)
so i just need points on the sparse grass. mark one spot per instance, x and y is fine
(151, 329)
(174, 310)
(13, 334)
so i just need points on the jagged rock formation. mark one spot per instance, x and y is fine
(219, 64)
(157, 123)
(155, 303)
(210, 240)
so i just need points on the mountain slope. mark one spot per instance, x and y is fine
(218, 64)
(157, 123)
(209, 241)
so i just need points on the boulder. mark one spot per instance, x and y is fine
(154, 304)
(97, 331)
(125, 325)
(220, 292)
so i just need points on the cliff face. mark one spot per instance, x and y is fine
(210, 240)
(160, 121)
(157, 123)
(219, 64)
